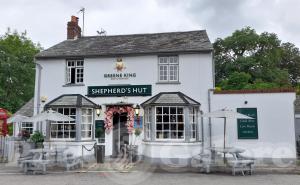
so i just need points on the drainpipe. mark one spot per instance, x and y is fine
(38, 93)
(202, 132)
(209, 119)
(209, 97)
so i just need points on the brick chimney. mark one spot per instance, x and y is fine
(73, 29)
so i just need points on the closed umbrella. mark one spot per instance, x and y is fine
(225, 113)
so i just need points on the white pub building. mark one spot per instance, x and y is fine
(100, 81)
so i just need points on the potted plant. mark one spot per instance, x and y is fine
(38, 139)
(24, 135)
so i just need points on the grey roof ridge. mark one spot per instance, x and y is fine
(180, 94)
(138, 34)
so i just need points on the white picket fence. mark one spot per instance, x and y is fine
(7, 149)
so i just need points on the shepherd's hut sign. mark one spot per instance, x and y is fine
(247, 128)
(130, 90)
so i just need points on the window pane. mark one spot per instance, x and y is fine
(180, 118)
(172, 110)
(180, 127)
(166, 135)
(158, 110)
(180, 135)
(180, 110)
(158, 118)
(173, 118)
(166, 110)
(166, 118)
(73, 111)
(173, 126)
(166, 126)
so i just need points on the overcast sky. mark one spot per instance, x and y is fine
(45, 21)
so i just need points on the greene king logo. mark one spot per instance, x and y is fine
(120, 66)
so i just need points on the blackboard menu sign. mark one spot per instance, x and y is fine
(99, 129)
(247, 128)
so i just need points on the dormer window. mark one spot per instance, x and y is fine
(74, 72)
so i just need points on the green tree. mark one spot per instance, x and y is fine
(269, 62)
(17, 69)
(236, 80)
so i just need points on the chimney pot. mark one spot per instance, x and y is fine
(73, 29)
(74, 19)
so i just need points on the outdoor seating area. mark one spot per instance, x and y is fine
(38, 160)
(222, 159)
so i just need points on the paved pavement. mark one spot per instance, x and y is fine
(145, 178)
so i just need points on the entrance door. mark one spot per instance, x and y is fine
(120, 133)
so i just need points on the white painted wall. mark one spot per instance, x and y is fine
(195, 77)
(276, 131)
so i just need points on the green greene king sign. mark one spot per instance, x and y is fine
(128, 90)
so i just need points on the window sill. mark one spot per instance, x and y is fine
(171, 143)
(168, 83)
(73, 85)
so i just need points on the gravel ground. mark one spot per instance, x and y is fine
(147, 178)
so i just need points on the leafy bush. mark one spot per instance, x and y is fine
(37, 137)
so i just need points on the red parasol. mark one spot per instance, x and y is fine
(3, 117)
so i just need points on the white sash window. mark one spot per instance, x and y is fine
(168, 69)
(74, 71)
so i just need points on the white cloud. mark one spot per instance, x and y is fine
(45, 21)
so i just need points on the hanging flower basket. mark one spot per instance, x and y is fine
(109, 113)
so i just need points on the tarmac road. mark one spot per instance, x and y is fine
(147, 178)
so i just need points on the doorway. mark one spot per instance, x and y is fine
(120, 133)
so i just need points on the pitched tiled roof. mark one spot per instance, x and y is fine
(137, 44)
(171, 98)
(72, 100)
(27, 109)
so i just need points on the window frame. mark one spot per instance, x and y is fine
(64, 124)
(78, 75)
(193, 121)
(147, 122)
(168, 62)
(170, 130)
(28, 128)
(90, 124)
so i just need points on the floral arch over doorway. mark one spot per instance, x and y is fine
(111, 110)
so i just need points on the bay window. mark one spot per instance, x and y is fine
(169, 122)
(64, 129)
(86, 123)
(147, 123)
(193, 122)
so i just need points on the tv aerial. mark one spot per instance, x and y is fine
(82, 10)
